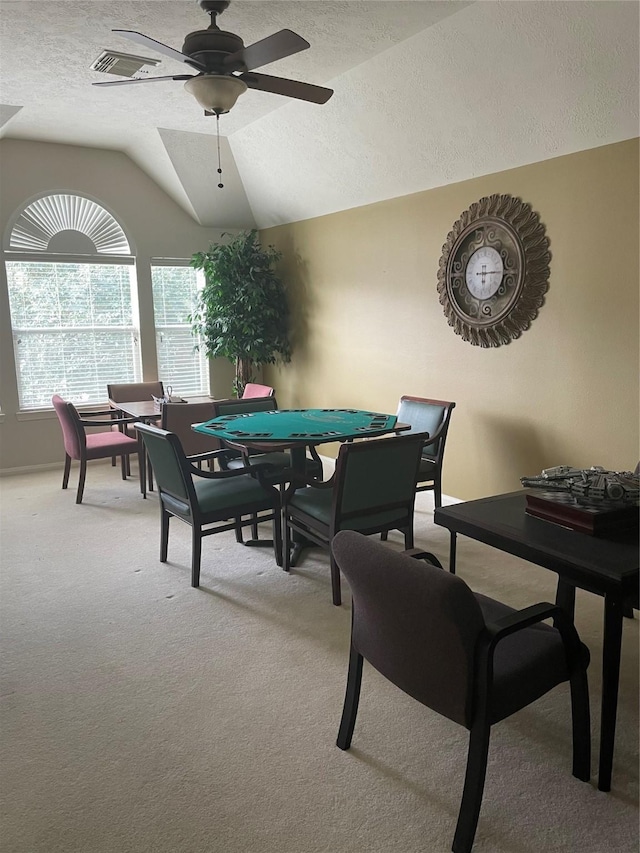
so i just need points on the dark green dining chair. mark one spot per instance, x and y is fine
(278, 459)
(209, 501)
(432, 416)
(372, 490)
(470, 658)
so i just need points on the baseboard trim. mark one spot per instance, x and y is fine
(31, 469)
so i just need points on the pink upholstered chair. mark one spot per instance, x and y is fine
(252, 389)
(102, 445)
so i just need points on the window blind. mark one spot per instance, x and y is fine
(180, 363)
(73, 329)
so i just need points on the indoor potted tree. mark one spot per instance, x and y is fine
(242, 312)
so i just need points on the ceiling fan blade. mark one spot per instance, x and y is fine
(289, 88)
(144, 80)
(139, 38)
(280, 44)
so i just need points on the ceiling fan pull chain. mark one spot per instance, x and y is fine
(220, 185)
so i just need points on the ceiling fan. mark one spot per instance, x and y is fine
(225, 66)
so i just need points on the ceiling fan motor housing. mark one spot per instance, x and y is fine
(210, 47)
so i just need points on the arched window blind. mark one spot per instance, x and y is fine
(72, 289)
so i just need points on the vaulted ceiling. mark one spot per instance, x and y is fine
(426, 93)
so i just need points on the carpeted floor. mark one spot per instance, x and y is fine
(142, 715)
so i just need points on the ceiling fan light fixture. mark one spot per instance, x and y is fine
(216, 93)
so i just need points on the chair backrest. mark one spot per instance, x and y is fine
(376, 476)
(426, 415)
(129, 392)
(73, 432)
(178, 417)
(233, 406)
(170, 466)
(252, 389)
(415, 623)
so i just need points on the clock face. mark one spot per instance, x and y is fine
(494, 271)
(484, 272)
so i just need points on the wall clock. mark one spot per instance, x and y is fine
(494, 271)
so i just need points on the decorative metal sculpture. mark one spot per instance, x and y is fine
(593, 486)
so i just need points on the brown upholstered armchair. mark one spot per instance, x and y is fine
(468, 657)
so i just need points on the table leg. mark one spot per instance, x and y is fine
(610, 679)
(452, 553)
(298, 541)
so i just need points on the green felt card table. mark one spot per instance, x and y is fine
(295, 430)
(298, 427)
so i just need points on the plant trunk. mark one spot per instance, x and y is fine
(244, 368)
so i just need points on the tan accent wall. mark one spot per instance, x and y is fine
(368, 325)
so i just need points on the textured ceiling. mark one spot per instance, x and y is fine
(426, 93)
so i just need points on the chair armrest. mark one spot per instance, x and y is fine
(110, 422)
(202, 457)
(86, 414)
(576, 651)
(260, 469)
(521, 619)
(427, 556)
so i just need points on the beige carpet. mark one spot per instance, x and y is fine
(142, 715)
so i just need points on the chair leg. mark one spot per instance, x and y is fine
(286, 544)
(67, 469)
(254, 527)
(238, 529)
(123, 465)
(196, 552)
(335, 583)
(142, 471)
(164, 534)
(473, 787)
(277, 536)
(83, 474)
(408, 537)
(581, 725)
(384, 535)
(351, 700)
(437, 493)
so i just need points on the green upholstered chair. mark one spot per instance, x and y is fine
(83, 446)
(432, 416)
(209, 501)
(372, 490)
(470, 658)
(279, 460)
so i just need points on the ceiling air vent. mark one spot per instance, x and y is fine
(122, 64)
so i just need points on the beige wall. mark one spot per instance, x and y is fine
(153, 222)
(369, 327)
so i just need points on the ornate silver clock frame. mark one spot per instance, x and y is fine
(494, 271)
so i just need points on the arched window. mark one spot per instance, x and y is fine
(72, 292)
